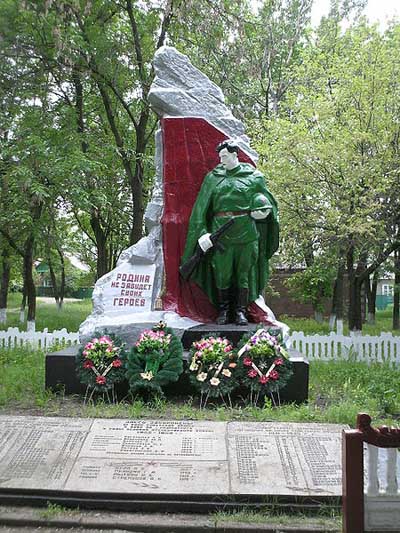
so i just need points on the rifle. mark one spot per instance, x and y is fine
(186, 270)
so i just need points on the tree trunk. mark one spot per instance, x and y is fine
(137, 180)
(357, 278)
(371, 288)
(337, 297)
(29, 282)
(23, 305)
(53, 280)
(355, 315)
(396, 292)
(101, 246)
(58, 288)
(355, 318)
(61, 293)
(100, 237)
(5, 282)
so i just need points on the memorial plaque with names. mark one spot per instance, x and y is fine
(164, 456)
(37, 452)
(156, 457)
(149, 476)
(285, 458)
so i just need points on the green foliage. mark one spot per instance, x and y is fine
(313, 284)
(332, 155)
(154, 361)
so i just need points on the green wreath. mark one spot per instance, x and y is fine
(100, 363)
(263, 363)
(154, 361)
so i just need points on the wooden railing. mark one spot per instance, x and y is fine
(375, 504)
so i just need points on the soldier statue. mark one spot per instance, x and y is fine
(234, 274)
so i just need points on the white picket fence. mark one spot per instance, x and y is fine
(368, 348)
(14, 338)
(385, 347)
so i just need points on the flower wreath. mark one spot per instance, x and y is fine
(101, 362)
(212, 367)
(263, 363)
(155, 360)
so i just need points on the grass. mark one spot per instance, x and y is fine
(327, 517)
(48, 316)
(52, 511)
(338, 391)
(309, 326)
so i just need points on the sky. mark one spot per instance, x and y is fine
(380, 11)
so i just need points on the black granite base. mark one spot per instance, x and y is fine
(60, 374)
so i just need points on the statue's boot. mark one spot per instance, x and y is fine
(223, 306)
(242, 301)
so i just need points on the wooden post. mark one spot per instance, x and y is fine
(353, 482)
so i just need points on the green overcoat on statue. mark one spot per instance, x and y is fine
(225, 194)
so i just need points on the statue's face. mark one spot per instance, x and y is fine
(228, 159)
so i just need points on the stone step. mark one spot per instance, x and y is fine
(19, 519)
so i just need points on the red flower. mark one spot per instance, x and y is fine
(278, 362)
(274, 374)
(247, 361)
(117, 363)
(263, 380)
(252, 373)
(88, 364)
(100, 380)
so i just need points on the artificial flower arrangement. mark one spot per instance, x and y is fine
(155, 360)
(263, 365)
(212, 368)
(100, 363)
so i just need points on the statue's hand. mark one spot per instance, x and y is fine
(205, 242)
(260, 214)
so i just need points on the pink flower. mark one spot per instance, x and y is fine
(85, 353)
(227, 349)
(247, 361)
(101, 380)
(263, 380)
(252, 373)
(278, 362)
(274, 374)
(88, 364)
(89, 346)
(105, 340)
(117, 363)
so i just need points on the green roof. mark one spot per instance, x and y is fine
(42, 268)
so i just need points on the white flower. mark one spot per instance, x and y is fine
(227, 373)
(147, 375)
(214, 382)
(202, 376)
(193, 365)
